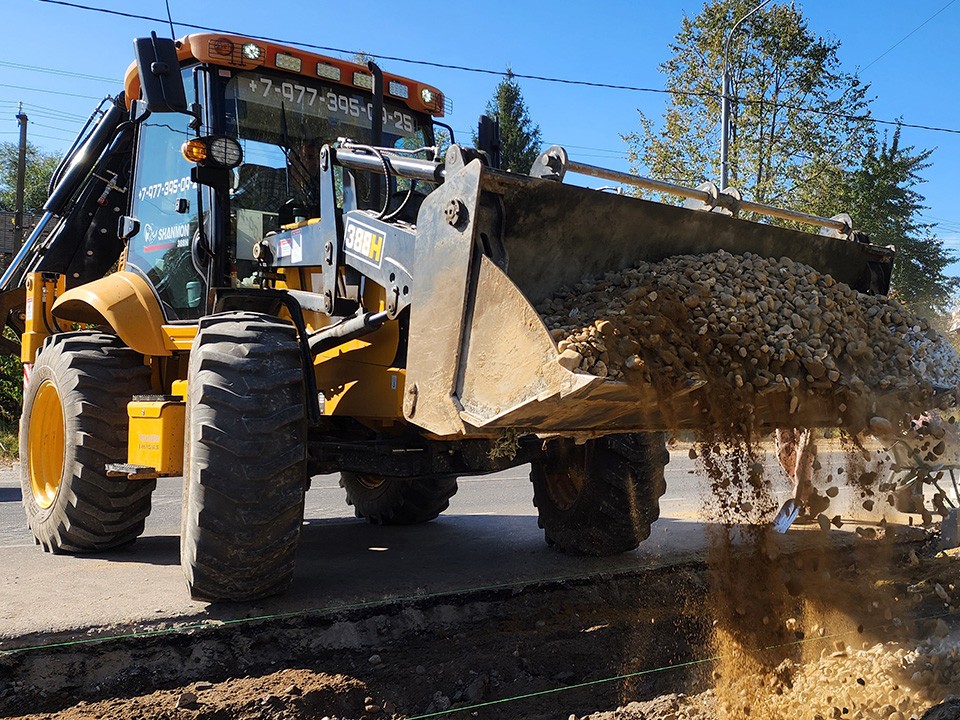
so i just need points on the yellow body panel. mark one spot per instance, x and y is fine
(126, 303)
(156, 435)
(42, 290)
(179, 337)
(179, 388)
(373, 392)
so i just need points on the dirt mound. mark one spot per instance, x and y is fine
(291, 694)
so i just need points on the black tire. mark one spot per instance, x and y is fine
(601, 497)
(75, 422)
(398, 501)
(246, 470)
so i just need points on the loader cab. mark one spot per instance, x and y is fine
(190, 237)
(281, 123)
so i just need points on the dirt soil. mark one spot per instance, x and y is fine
(653, 644)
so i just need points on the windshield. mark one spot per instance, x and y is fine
(281, 124)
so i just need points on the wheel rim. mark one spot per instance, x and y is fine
(46, 444)
(565, 484)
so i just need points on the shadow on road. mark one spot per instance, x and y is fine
(10, 494)
(339, 552)
(150, 550)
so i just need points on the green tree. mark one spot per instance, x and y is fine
(882, 200)
(800, 136)
(788, 117)
(40, 167)
(362, 57)
(519, 135)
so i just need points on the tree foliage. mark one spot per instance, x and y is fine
(799, 137)
(789, 113)
(519, 135)
(883, 201)
(11, 386)
(40, 167)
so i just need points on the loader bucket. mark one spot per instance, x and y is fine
(491, 245)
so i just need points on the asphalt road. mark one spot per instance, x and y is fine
(488, 537)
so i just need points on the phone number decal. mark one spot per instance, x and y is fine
(333, 102)
(166, 189)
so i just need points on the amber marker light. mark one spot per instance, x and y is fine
(194, 150)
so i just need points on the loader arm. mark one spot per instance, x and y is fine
(77, 234)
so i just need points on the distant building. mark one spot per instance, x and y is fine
(8, 244)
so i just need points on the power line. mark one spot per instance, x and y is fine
(50, 116)
(51, 92)
(55, 71)
(934, 217)
(501, 73)
(892, 47)
(42, 111)
(50, 127)
(842, 116)
(428, 63)
(37, 135)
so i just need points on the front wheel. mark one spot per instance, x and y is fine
(75, 422)
(246, 472)
(398, 501)
(601, 497)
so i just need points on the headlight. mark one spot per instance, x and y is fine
(252, 51)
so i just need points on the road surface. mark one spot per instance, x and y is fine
(488, 537)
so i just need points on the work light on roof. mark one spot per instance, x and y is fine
(427, 96)
(225, 151)
(399, 90)
(328, 71)
(363, 80)
(288, 62)
(252, 51)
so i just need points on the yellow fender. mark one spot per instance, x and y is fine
(125, 302)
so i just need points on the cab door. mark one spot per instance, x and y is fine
(167, 249)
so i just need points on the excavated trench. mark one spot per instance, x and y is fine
(725, 628)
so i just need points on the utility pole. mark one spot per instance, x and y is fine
(725, 100)
(21, 176)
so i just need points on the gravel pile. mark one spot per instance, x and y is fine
(744, 325)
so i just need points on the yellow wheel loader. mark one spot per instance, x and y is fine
(255, 267)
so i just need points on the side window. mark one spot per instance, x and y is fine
(164, 202)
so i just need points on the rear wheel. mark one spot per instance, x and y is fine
(398, 501)
(246, 471)
(75, 422)
(600, 497)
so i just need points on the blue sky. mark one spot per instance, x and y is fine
(904, 54)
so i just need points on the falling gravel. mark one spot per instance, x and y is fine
(752, 343)
(883, 681)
